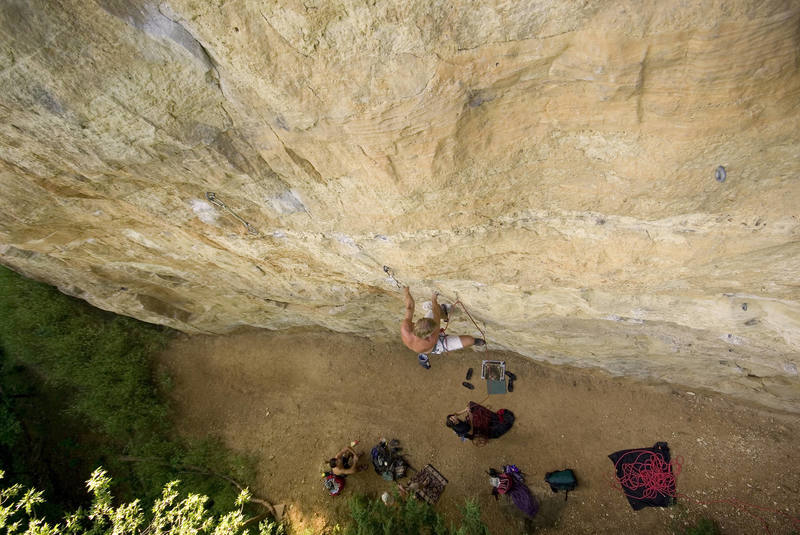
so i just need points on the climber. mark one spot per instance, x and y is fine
(426, 336)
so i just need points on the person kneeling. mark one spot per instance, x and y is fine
(345, 462)
(479, 424)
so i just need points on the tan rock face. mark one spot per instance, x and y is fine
(551, 164)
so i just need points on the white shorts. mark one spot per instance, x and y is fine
(446, 342)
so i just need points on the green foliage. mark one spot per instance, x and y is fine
(471, 524)
(90, 399)
(270, 527)
(408, 517)
(169, 515)
(211, 456)
(705, 526)
(10, 428)
(101, 360)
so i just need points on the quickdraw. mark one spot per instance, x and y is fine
(389, 271)
(212, 198)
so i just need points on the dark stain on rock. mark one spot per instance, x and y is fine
(281, 122)
(20, 253)
(46, 100)
(63, 186)
(280, 304)
(203, 133)
(234, 149)
(225, 146)
(150, 20)
(162, 308)
(477, 97)
(174, 279)
(305, 165)
(25, 22)
(74, 291)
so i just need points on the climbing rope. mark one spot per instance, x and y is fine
(483, 334)
(212, 198)
(648, 472)
(651, 474)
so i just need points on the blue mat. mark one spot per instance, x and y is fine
(496, 387)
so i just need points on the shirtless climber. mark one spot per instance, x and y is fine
(425, 336)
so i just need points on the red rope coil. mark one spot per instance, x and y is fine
(651, 473)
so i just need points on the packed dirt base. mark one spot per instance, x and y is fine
(293, 400)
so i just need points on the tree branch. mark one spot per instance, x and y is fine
(200, 470)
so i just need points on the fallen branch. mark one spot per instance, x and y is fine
(200, 470)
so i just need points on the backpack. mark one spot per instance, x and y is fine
(561, 480)
(332, 483)
(387, 461)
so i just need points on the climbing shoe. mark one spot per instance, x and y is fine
(469, 374)
(423, 361)
(468, 385)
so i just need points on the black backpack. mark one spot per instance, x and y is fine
(561, 480)
(388, 461)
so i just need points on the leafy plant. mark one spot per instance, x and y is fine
(408, 517)
(89, 397)
(169, 514)
(102, 361)
(10, 428)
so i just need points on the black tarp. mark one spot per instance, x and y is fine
(639, 494)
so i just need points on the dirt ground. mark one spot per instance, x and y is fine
(294, 399)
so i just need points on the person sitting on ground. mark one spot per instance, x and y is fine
(345, 462)
(511, 482)
(426, 336)
(479, 424)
